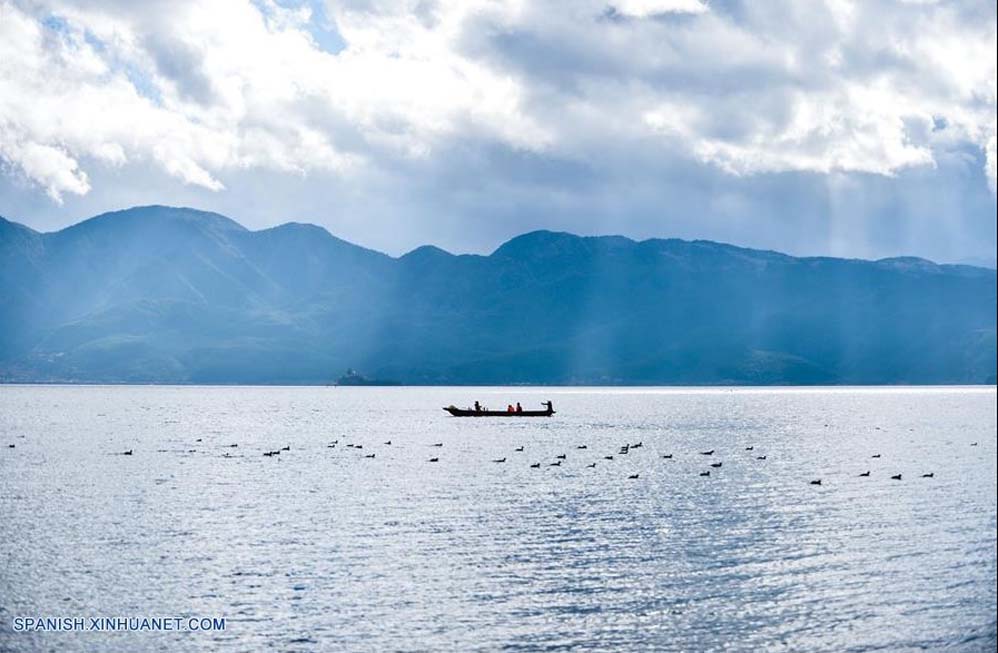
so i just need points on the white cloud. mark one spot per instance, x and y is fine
(646, 8)
(202, 88)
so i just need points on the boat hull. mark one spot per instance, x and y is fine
(470, 412)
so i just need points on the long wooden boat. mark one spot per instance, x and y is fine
(471, 412)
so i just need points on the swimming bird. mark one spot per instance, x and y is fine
(288, 448)
(866, 473)
(389, 442)
(816, 482)
(557, 464)
(716, 464)
(876, 455)
(268, 453)
(707, 453)
(639, 444)
(608, 457)
(434, 460)
(582, 446)
(10, 446)
(198, 440)
(356, 446)
(667, 455)
(127, 453)
(438, 444)
(519, 449)
(929, 475)
(499, 460)
(591, 465)
(535, 466)
(561, 456)
(896, 477)
(760, 458)
(370, 455)
(973, 444)
(230, 446)
(707, 473)
(749, 448)
(632, 476)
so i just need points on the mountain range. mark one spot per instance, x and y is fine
(174, 295)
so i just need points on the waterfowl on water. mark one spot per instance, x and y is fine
(557, 464)
(591, 465)
(10, 446)
(667, 455)
(582, 446)
(639, 444)
(707, 453)
(519, 449)
(973, 444)
(561, 456)
(127, 453)
(437, 444)
(749, 448)
(389, 442)
(632, 476)
(896, 477)
(707, 473)
(434, 460)
(760, 458)
(608, 457)
(816, 482)
(288, 448)
(370, 455)
(535, 466)
(499, 460)
(929, 475)
(716, 464)
(876, 455)
(866, 473)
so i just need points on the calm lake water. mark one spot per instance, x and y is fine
(321, 548)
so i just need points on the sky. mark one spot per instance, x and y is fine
(860, 129)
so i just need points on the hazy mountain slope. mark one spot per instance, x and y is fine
(177, 295)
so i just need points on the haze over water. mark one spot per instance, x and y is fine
(320, 548)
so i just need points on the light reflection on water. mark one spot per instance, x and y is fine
(321, 548)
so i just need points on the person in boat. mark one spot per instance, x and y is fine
(509, 408)
(519, 408)
(550, 406)
(478, 407)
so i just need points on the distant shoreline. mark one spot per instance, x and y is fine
(774, 386)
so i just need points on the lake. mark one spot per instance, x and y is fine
(320, 547)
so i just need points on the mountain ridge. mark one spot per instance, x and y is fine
(164, 294)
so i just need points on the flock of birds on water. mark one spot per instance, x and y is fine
(624, 450)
